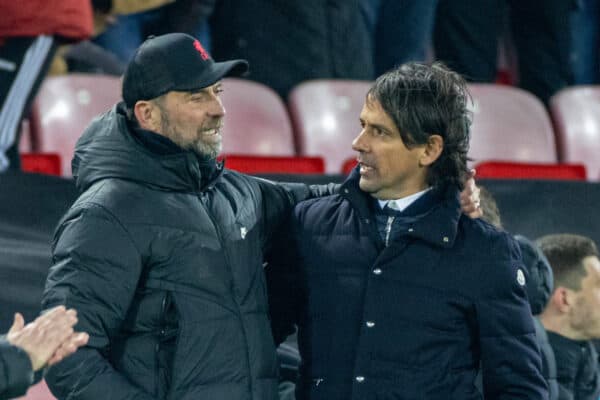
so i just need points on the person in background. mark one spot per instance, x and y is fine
(288, 42)
(572, 316)
(401, 30)
(135, 20)
(29, 33)
(27, 349)
(585, 32)
(466, 38)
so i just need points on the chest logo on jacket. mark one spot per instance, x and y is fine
(520, 277)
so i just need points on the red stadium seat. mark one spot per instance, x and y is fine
(38, 391)
(510, 124)
(325, 114)
(349, 165)
(509, 170)
(257, 122)
(64, 107)
(576, 113)
(275, 165)
(41, 163)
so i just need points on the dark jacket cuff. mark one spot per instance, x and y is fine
(16, 372)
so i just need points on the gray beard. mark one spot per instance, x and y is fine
(209, 151)
(206, 151)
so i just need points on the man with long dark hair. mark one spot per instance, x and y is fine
(396, 294)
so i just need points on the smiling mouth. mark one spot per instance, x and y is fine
(212, 132)
(364, 169)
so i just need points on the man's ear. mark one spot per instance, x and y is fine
(147, 115)
(562, 299)
(432, 150)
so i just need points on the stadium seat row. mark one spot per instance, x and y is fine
(314, 131)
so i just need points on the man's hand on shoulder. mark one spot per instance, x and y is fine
(469, 198)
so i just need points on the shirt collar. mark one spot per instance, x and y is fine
(403, 203)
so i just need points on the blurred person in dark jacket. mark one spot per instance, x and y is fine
(135, 20)
(395, 292)
(288, 42)
(27, 349)
(466, 37)
(401, 30)
(572, 316)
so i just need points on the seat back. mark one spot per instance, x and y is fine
(275, 164)
(41, 163)
(257, 122)
(576, 114)
(348, 165)
(64, 107)
(325, 116)
(510, 170)
(510, 124)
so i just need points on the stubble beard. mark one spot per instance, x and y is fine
(200, 147)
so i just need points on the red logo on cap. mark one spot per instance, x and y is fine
(201, 50)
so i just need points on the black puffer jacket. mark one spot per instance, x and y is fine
(577, 368)
(167, 277)
(323, 40)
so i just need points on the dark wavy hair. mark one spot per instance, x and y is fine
(424, 100)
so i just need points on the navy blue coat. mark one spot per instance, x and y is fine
(414, 320)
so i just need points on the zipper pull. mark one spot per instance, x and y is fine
(317, 381)
(388, 230)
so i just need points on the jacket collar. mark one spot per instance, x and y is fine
(433, 218)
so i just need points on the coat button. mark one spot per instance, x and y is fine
(445, 239)
(367, 221)
(377, 271)
(410, 229)
(370, 324)
(346, 191)
(360, 379)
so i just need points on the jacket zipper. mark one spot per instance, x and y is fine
(388, 230)
(203, 195)
(163, 307)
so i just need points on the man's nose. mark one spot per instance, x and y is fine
(359, 143)
(216, 108)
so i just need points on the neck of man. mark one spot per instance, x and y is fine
(559, 323)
